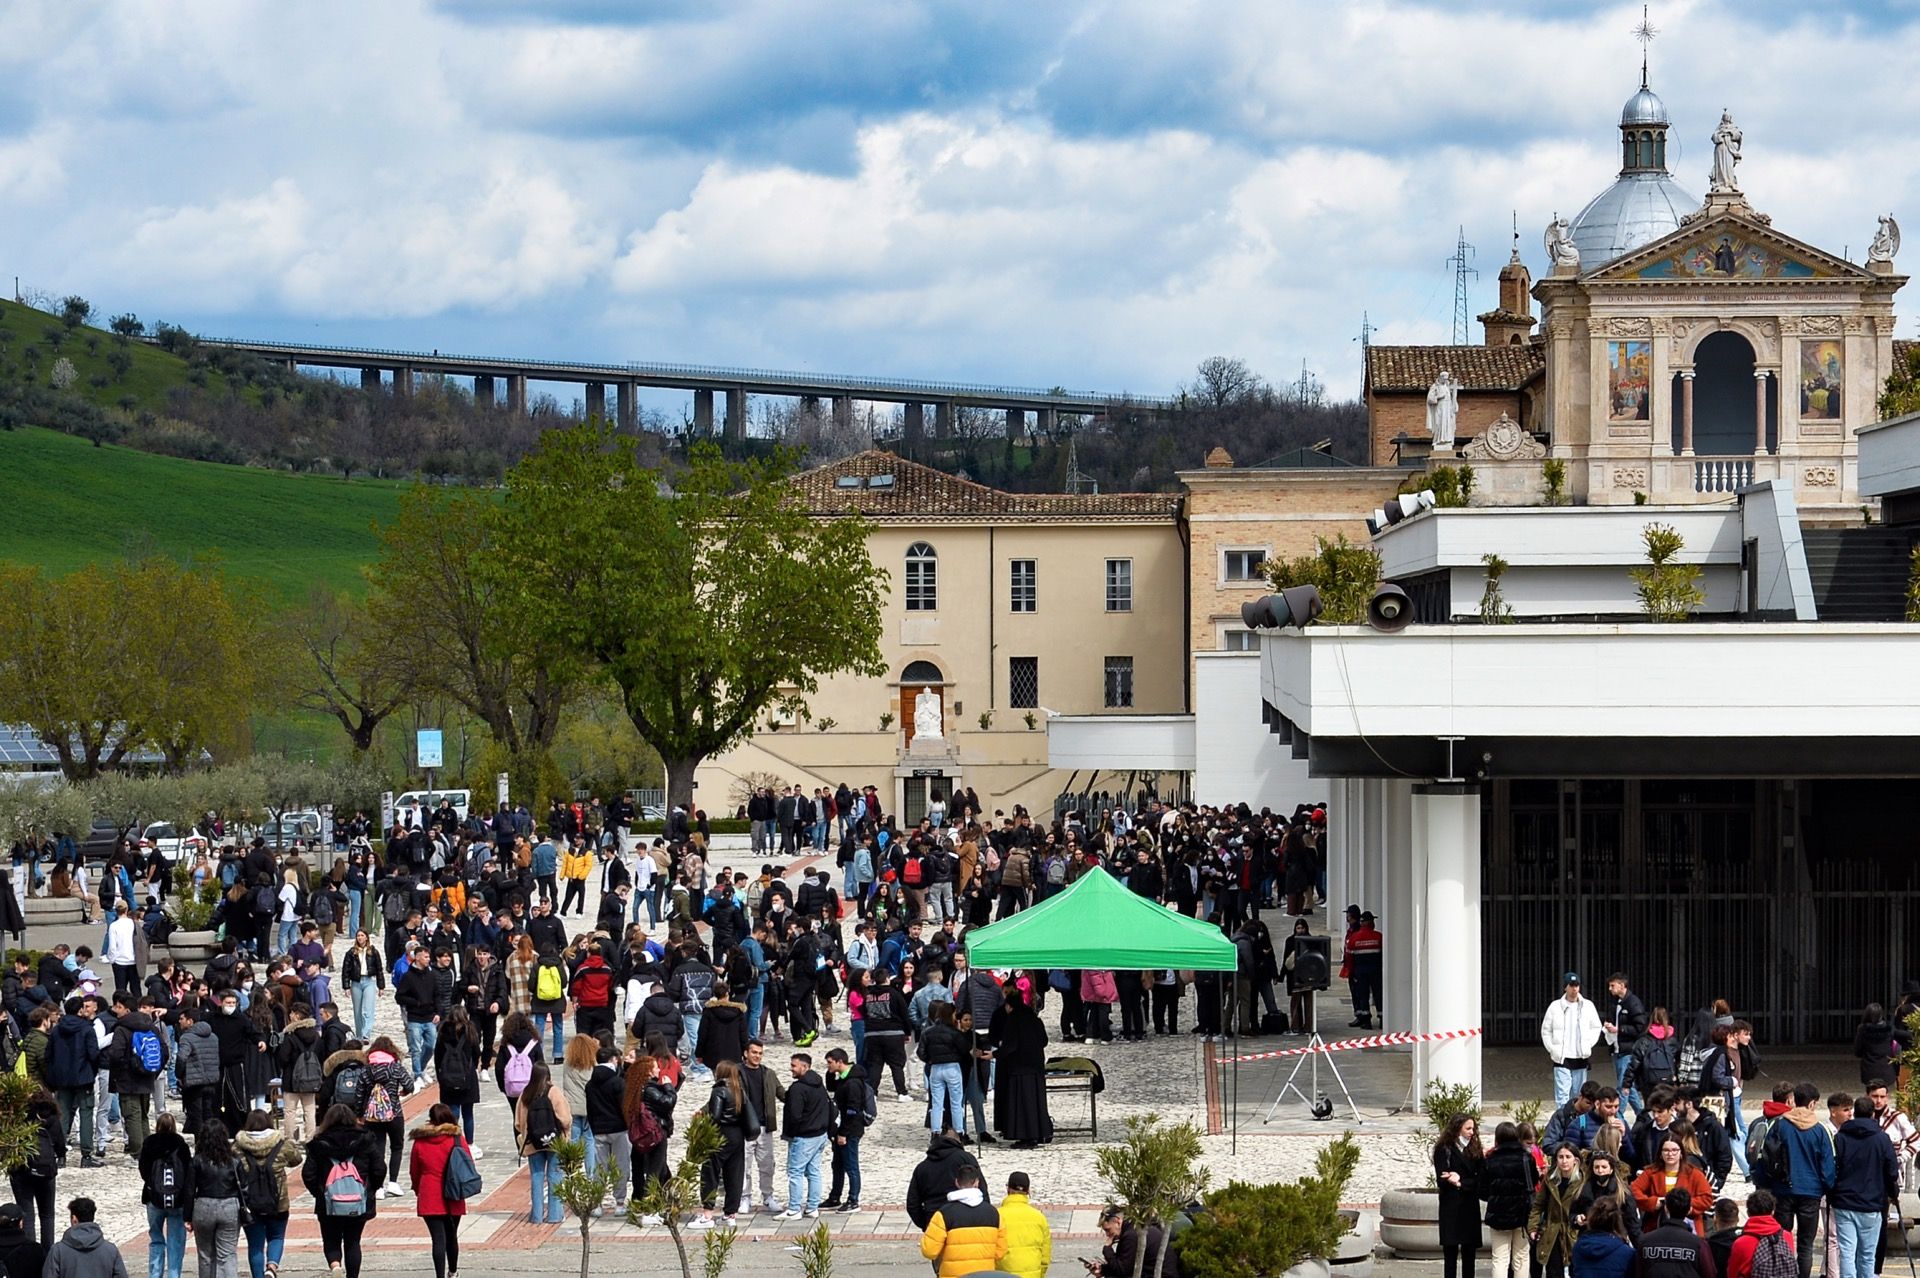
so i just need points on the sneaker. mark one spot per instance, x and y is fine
(700, 1222)
(905, 1098)
(652, 1222)
(830, 1204)
(474, 1150)
(776, 1208)
(419, 1081)
(847, 1207)
(811, 1213)
(791, 1215)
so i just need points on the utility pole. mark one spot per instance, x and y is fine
(1462, 265)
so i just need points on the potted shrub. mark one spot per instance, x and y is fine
(1292, 1228)
(1410, 1218)
(193, 938)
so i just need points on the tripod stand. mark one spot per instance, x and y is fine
(1317, 1049)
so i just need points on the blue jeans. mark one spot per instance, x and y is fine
(583, 1133)
(166, 1242)
(690, 1041)
(803, 1172)
(859, 1029)
(1566, 1084)
(1622, 1060)
(846, 1169)
(756, 1001)
(355, 897)
(465, 1114)
(366, 999)
(545, 1170)
(947, 1087)
(421, 1036)
(1859, 1234)
(559, 1022)
(1737, 1129)
(265, 1241)
(289, 933)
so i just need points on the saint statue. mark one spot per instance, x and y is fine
(1726, 154)
(1886, 241)
(926, 715)
(1443, 409)
(1561, 250)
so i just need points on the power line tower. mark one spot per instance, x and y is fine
(1462, 265)
(1078, 480)
(1367, 330)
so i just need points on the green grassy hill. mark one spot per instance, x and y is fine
(32, 341)
(64, 503)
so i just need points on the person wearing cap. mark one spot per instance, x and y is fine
(1026, 1240)
(1568, 1030)
(21, 1255)
(1361, 958)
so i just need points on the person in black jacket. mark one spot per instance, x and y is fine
(166, 1225)
(936, 1176)
(1673, 1250)
(805, 1121)
(1507, 1186)
(847, 1085)
(488, 996)
(416, 993)
(342, 1139)
(1624, 1017)
(1874, 1045)
(607, 1120)
(1459, 1168)
(734, 1115)
(21, 1255)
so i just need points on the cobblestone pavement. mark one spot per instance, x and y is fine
(1162, 1076)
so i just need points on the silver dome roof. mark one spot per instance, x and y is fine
(1637, 209)
(1644, 107)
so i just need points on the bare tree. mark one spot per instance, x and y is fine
(1221, 381)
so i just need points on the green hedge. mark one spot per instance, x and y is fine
(726, 825)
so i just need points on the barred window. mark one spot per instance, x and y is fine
(1023, 682)
(1119, 585)
(1119, 683)
(922, 574)
(1026, 590)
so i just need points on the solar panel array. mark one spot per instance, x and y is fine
(22, 750)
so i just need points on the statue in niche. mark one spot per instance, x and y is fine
(926, 715)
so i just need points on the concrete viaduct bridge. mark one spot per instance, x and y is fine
(732, 384)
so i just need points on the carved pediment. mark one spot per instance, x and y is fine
(1727, 247)
(1504, 440)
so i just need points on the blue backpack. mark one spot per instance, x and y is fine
(146, 1051)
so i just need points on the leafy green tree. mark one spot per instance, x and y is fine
(1668, 590)
(345, 666)
(680, 595)
(583, 1192)
(75, 311)
(127, 325)
(1901, 393)
(30, 807)
(448, 629)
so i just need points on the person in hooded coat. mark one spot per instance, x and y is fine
(936, 1176)
(433, 1145)
(723, 1030)
(1020, 1079)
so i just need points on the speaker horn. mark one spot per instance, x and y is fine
(1294, 606)
(1390, 610)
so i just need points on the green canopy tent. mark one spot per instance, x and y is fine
(1097, 923)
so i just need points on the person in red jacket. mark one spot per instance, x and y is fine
(432, 1146)
(1760, 1227)
(592, 992)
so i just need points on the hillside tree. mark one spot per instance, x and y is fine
(706, 603)
(342, 666)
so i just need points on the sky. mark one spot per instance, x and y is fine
(1094, 194)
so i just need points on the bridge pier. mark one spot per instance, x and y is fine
(913, 423)
(1042, 420)
(843, 411)
(623, 403)
(482, 390)
(943, 419)
(1016, 422)
(369, 379)
(703, 414)
(403, 381)
(597, 400)
(737, 413)
(517, 393)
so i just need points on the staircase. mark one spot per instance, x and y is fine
(1859, 574)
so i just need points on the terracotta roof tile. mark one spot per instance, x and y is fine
(922, 493)
(1901, 346)
(1476, 368)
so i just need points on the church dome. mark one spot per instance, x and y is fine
(1644, 107)
(1637, 209)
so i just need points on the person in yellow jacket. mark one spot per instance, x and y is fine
(964, 1235)
(1026, 1240)
(576, 863)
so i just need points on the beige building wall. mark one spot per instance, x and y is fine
(970, 637)
(1278, 512)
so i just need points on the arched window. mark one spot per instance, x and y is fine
(922, 578)
(1646, 150)
(921, 672)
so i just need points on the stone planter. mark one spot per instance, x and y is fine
(192, 947)
(1353, 1258)
(52, 911)
(1410, 1222)
(1308, 1269)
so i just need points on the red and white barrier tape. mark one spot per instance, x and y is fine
(1350, 1044)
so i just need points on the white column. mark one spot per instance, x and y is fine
(1343, 847)
(1446, 829)
(1401, 906)
(1374, 841)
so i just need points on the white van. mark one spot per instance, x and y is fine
(424, 803)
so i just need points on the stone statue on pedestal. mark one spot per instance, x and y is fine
(1443, 409)
(1886, 241)
(926, 715)
(1726, 153)
(1561, 250)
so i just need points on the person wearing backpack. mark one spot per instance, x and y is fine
(343, 1173)
(301, 1061)
(520, 1052)
(1655, 1058)
(264, 1157)
(166, 1191)
(33, 1180)
(591, 990)
(853, 1112)
(387, 1085)
(739, 1123)
(456, 1064)
(434, 1146)
(549, 998)
(1797, 1156)
(136, 1056)
(540, 1117)
(216, 1186)
(1764, 1249)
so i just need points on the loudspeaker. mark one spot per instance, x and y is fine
(1389, 610)
(1312, 963)
(1294, 606)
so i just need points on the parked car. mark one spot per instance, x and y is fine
(103, 837)
(172, 843)
(424, 802)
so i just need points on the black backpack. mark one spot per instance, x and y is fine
(48, 1148)
(305, 1075)
(262, 1182)
(456, 1070)
(167, 1182)
(543, 1125)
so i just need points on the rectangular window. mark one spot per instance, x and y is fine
(1119, 585)
(1023, 682)
(1239, 641)
(1119, 683)
(1026, 589)
(1245, 565)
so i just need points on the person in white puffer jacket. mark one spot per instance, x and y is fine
(1568, 1030)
